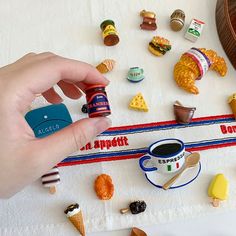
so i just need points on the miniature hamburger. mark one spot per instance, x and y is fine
(159, 46)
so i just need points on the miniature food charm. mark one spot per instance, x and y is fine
(109, 33)
(194, 64)
(135, 74)
(183, 115)
(135, 207)
(106, 66)
(194, 30)
(98, 104)
(84, 108)
(177, 20)
(104, 187)
(137, 232)
(51, 179)
(232, 103)
(138, 103)
(74, 213)
(149, 20)
(218, 189)
(159, 46)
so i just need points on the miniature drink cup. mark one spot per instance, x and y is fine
(135, 74)
(109, 33)
(183, 115)
(177, 20)
(165, 156)
(74, 213)
(97, 101)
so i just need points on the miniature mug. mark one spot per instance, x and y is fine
(135, 74)
(165, 156)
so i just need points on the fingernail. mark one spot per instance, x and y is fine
(107, 80)
(102, 124)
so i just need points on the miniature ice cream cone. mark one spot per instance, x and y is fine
(51, 179)
(74, 213)
(232, 103)
(106, 66)
(137, 232)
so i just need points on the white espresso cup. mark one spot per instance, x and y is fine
(166, 156)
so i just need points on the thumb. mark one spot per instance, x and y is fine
(59, 145)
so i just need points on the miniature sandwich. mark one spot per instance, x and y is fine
(74, 213)
(159, 46)
(51, 179)
(106, 66)
(218, 189)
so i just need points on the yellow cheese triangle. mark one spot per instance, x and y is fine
(138, 103)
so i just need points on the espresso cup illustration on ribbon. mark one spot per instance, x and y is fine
(165, 156)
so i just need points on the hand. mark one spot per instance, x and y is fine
(23, 157)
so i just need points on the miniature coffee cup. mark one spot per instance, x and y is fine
(135, 74)
(165, 156)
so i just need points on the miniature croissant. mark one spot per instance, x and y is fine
(194, 64)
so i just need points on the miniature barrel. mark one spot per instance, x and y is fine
(226, 27)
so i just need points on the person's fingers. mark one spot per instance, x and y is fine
(70, 90)
(52, 96)
(59, 145)
(44, 74)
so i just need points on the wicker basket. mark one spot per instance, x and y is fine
(226, 27)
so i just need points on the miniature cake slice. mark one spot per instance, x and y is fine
(138, 103)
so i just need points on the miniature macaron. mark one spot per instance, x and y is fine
(159, 46)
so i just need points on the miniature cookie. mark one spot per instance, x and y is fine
(104, 187)
(106, 66)
(138, 103)
(159, 46)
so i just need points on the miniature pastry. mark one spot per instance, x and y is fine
(194, 30)
(109, 33)
(232, 103)
(177, 20)
(159, 46)
(135, 207)
(135, 74)
(137, 232)
(104, 187)
(149, 20)
(218, 189)
(51, 179)
(106, 66)
(194, 64)
(84, 108)
(183, 115)
(74, 213)
(138, 103)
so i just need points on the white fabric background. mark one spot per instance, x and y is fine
(71, 29)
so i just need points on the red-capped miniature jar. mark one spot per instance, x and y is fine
(98, 104)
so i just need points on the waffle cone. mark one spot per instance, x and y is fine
(77, 221)
(102, 68)
(233, 107)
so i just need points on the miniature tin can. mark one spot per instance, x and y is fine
(109, 33)
(177, 20)
(98, 104)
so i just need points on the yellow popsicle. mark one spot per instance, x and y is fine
(218, 189)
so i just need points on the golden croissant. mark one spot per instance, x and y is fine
(187, 70)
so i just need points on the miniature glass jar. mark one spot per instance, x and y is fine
(98, 104)
(109, 33)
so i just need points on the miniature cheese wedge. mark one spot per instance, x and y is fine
(218, 189)
(138, 103)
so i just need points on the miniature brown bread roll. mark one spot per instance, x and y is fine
(106, 66)
(104, 187)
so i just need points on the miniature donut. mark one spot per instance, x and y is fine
(104, 187)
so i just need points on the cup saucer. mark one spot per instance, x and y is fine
(158, 179)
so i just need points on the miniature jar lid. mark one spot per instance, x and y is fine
(105, 23)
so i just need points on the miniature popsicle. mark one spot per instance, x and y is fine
(74, 213)
(51, 179)
(135, 207)
(218, 189)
